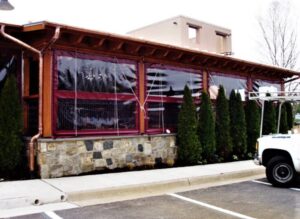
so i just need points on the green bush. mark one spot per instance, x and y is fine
(237, 125)
(283, 127)
(223, 140)
(289, 115)
(253, 125)
(269, 123)
(10, 127)
(189, 150)
(207, 129)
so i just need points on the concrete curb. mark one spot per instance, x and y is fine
(156, 188)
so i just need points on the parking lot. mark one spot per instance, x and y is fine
(251, 199)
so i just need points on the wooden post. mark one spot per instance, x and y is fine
(249, 83)
(141, 72)
(26, 92)
(47, 95)
(205, 81)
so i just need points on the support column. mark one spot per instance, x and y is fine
(205, 80)
(26, 91)
(47, 95)
(141, 71)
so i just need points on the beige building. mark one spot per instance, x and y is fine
(186, 32)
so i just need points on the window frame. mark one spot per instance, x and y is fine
(228, 75)
(65, 94)
(165, 99)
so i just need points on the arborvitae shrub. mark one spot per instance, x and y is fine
(253, 125)
(283, 127)
(10, 127)
(189, 150)
(269, 123)
(207, 129)
(237, 125)
(289, 115)
(223, 140)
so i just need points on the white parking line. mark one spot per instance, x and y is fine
(260, 182)
(295, 189)
(52, 215)
(269, 184)
(232, 213)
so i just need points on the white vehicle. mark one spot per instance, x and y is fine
(279, 153)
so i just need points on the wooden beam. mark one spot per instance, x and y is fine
(26, 77)
(150, 51)
(117, 46)
(205, 80)
(77, 39)
(193, 58)
(166, 53)
(47, 95)
(178, 56)
(224, 64)
(99, 43)
(141, 71)
(26, 91)
(204, 61)
(34, 27)
(137, 49)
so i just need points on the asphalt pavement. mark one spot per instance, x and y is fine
(248, 200)
(33, 196)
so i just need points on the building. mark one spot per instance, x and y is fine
(95, 100)
(187, 32)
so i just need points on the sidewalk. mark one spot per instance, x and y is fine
(17, 196)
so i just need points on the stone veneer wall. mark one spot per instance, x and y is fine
(63, 157)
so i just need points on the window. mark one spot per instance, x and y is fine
(259, 85)
(193, 33)
(221, 42)
(33, 76)
(95, 94)
(229, 82)
(165, 87)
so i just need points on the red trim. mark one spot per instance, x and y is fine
(159, 130)
(93, 96)
(227, 75)
(172, 67)
(95, 132)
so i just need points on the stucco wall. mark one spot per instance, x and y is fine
(63, 157)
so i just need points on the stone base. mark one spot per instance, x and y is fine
(63, 157)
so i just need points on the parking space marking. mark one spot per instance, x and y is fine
(225, 211)
(52, 215)
(260, 182)
(295, 189)
(269, 184)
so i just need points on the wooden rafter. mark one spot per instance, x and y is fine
(116, 46)
(166, 53)
(77, 39)
(99, 43)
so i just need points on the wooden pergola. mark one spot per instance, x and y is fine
(40, 36)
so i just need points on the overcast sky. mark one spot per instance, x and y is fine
(121, 16)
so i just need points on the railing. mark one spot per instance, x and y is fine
(280, 96)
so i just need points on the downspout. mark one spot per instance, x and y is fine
(40, 55)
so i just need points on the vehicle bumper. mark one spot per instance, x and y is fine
(257, 159)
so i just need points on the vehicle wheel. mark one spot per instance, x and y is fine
(280, 172)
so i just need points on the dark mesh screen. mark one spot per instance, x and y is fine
(170, 83)
(33, 117)
(96, 114)
(162, 112)
(95, 75)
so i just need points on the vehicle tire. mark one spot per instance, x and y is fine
(280, 172)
